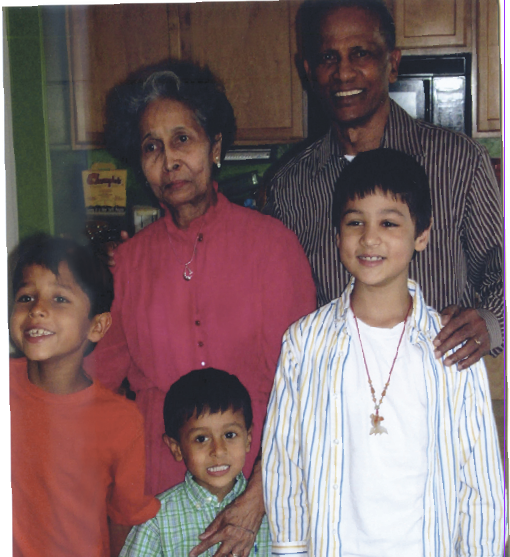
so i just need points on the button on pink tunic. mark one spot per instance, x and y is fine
(251, 281)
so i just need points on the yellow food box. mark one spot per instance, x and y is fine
(104, 189)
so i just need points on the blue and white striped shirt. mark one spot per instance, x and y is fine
(303, 444)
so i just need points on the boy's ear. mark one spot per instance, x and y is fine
(174, 447)
(100, 324)
(421, 241)
(248, 439)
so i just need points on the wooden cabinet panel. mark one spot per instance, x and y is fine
(488, 98)
(105, 44)
(430, 23)
(251, 47)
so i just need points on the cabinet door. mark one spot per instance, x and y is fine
(105, 44)
(251, 47)
(430, 23)
(488, 100)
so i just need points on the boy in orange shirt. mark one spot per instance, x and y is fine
(78, 456)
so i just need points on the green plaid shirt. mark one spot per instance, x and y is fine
(186, 511)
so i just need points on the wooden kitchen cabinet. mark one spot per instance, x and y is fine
(489, 64)
(250, 46)
(431, 23)
(105, 44)
(439, 27)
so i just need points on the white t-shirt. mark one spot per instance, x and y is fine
(384, 475)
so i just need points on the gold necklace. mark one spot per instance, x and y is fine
(375, 418)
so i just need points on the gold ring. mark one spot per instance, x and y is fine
(478, 342)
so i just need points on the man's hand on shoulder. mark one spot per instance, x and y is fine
(462, 325)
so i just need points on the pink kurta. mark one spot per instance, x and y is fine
(251, 281)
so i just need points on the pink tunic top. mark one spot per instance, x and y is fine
(251, 281)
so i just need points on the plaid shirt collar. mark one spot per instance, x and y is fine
(201, 497)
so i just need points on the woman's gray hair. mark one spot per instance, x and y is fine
(181, 81)
(164, 85)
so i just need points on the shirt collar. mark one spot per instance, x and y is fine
(344, 302)
(326, 148)
(199, 223)
(401, 132)
(420, 320)
(200, 497)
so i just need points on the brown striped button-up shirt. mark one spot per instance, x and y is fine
(463, 262)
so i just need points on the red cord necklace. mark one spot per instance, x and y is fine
(375, 418)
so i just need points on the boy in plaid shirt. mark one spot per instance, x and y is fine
(208, 423)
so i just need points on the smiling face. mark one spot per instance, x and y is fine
(176, 155)
(213, 447)
(354, 67)
(377, 239)
(50, 320)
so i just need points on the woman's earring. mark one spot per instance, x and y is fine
(218, 163)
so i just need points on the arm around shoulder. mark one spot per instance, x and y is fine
(483, 229)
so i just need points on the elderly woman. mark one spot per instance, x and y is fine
(210, 284)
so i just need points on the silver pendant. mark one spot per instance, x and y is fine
(188, 273)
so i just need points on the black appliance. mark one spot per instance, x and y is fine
(436, 89)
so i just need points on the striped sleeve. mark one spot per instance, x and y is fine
(484, 246)
(284, 488)
(481, 493)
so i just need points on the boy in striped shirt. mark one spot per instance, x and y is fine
(208, 424)
(373, 447)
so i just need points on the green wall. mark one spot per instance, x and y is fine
(31, 150)
(493, 145)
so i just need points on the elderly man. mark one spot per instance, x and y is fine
(350, 59)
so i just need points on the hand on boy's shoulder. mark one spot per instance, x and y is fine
(460, 325)
(110, 248)
(237, 525)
